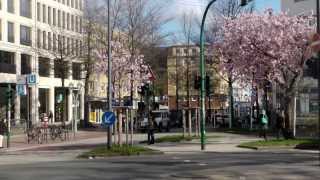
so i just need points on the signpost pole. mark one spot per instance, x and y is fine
(109, 78)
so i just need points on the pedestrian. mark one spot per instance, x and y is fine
(50, 116)
(264, 124)
(3, 130)
(151, 129)
(279, 124)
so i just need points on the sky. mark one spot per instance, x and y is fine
(178, 7)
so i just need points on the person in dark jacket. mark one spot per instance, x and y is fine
(279, 124)
(3, 130)
(151, 129)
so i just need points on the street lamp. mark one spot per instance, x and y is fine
(202, 72)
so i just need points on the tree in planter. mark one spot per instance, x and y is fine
(125, 70)
(273, 47)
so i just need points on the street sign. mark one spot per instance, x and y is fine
(108, 118)
(31, 79)
(21, 90)
(21, 79)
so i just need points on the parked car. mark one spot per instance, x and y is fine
(161, 119)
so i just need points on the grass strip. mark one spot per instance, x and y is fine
(290, 143)
(178, 138)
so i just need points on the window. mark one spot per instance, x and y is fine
(80, 25)
(39, 38)
(54, 42)
(11, 32)
(6, 57)
(76, 4)
(44, 67)
(25, 35)
(49, 15)
(25, 8)
(7, 62)
(25, 64)
(49, 41)
(68, 2)
(80, 4)
(76, 71)
(44, 14)
(0, 30)
(59, 18)
(63, 20)
(72, 22)
(60, 69)
(10, 6)
(77, 24)
(38, 12)
(44, 40)
(72, 3)
(68, 21)
(54, 14)
(68, 46)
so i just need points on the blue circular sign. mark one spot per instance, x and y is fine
(108, 118)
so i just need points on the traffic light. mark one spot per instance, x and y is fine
(197, 82)
(9, 94)
(208, 85)
(312, 67)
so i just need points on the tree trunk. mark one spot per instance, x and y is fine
(86, 99)
(231, 123)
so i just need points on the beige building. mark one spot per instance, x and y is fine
(32, 33)
(294, 7)
(182, 69)
(307, 98)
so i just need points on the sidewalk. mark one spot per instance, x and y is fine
(19, 142)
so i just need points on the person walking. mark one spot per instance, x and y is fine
(279, 124)
(3, 130)
(151, 129)
(264, 124)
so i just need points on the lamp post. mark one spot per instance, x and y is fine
(202, 72)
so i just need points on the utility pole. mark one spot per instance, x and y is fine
(109, 77)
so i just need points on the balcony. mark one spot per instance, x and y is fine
(7, 68)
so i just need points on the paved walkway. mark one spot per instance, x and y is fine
(216, 142)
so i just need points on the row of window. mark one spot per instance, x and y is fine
(77, 4)
(58, 18)
(7, 62)
(46, 40)
(25, 33)
(25, 7)
(59, 43)
(49, 15)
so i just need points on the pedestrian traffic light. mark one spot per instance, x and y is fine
(197, 82)
(208, 85)
(312, 67)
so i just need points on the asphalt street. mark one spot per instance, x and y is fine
(253, 165)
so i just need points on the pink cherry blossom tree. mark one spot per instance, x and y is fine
(272, 47)
(127, 70)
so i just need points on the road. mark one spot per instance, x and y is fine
(186, 163)
(210, 165)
